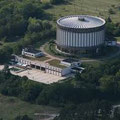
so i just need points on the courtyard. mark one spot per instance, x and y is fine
(39, 76)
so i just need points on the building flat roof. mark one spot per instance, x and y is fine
(81, 21)
(32, 50)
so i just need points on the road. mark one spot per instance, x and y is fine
(48, 55)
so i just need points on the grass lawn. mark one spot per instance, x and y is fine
(118, 39)
(14, 69)
(91, 7)
(50, 49)
(56, 63)
(46, 48)
(10, 107)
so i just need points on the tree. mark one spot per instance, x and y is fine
(109, 19)
(6, 69)
(5, 54)
(28, 9)
(116, 114)
(24, 117)
(111, 11)
(35, 25)
(56, 1)
(30, 90)
(94, 110)
(109, 86)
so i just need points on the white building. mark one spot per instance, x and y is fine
(71, 67)
(71, 62)
(76, 33)
(31, 52)
(45, 67)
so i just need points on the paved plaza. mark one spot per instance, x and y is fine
(39, 76)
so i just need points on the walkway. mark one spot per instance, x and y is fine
(48, 55)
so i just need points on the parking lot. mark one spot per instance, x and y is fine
(39, 76)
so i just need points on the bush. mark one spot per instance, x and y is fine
(57, 1)
(25, 117)
(111, 11)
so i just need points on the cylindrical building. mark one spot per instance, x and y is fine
(80, 32)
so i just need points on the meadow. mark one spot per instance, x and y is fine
(93, 7)
(10, 107)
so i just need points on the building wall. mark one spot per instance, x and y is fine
(65, 71)
(39, 54)
(65, 63)
(76, 39)
(48, 69)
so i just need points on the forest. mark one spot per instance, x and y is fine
(95, 85)
(22, 23)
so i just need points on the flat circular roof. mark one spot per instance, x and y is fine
(81, 21)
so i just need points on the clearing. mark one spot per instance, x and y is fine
(10, 107)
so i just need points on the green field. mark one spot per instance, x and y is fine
(90, 7)
(56, 63)
(10, 107)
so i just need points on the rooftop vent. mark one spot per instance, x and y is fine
(82, 19)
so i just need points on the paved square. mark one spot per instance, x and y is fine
(39, 76)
